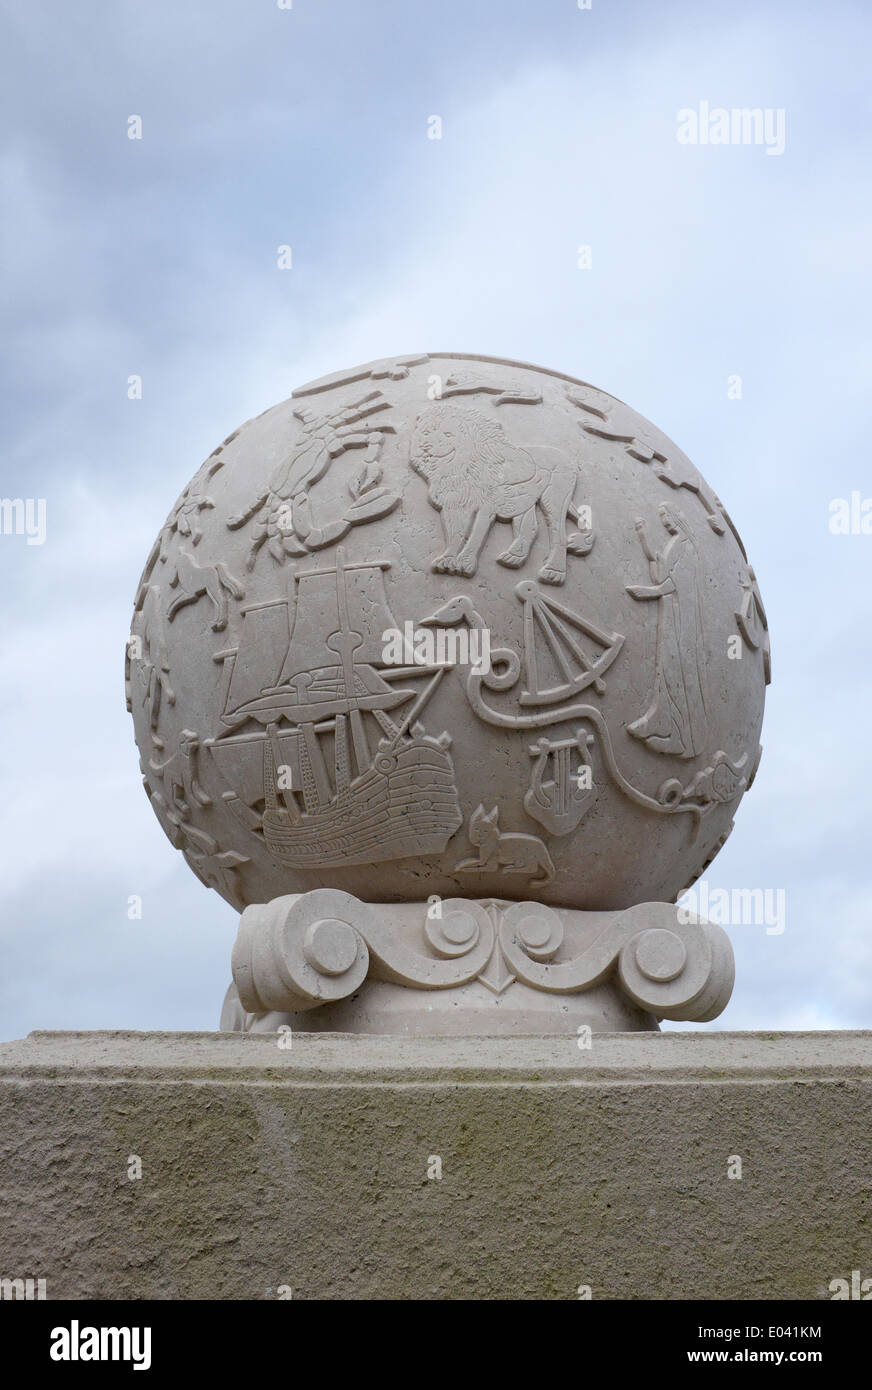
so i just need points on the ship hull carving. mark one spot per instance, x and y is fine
(311, 783)
(404, 804)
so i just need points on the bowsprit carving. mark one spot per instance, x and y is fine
(505, 852)
(283, 514)
(676, 721)
(476, 477)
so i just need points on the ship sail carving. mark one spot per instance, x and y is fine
(345, 776)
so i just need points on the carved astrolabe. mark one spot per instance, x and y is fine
(448, 627)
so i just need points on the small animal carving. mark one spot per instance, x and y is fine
(193, 581)
(476, 477)
(461, 383)
(505, 852)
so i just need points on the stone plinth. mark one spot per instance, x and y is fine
(314, 1168)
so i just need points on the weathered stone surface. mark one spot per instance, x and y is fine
(307, 1167)
(509, 969)
(450, 628)
(607, 691)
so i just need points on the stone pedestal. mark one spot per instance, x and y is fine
(355, 1167)
(448, 673)
(326, 961)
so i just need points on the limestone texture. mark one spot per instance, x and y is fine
(448, 625)
(436, 1168)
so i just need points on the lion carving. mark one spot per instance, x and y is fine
(476, 477)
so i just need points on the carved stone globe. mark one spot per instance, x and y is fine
(448, 628)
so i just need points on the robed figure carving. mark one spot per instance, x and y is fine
(675, 721)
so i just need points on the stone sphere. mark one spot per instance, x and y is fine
(448, 625)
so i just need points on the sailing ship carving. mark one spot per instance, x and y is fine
(333, 776)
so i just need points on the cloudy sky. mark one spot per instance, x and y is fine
(308, 127)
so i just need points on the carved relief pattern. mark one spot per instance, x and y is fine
(610, 419)
(300, 952)
(675, 721)
(282, 512)
(319, 749)
(195, 581)
(505, 852)
(751, 618)
(152, 664)
(505, 671)
(390, 369)
(362, 781)
(559, 795)
(184, 519)
(460, 382)
(214, 867)
(476, 477)
(173, 783)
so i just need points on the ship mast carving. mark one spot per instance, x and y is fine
(352, 803)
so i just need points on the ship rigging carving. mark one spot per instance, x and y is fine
(326, 762)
